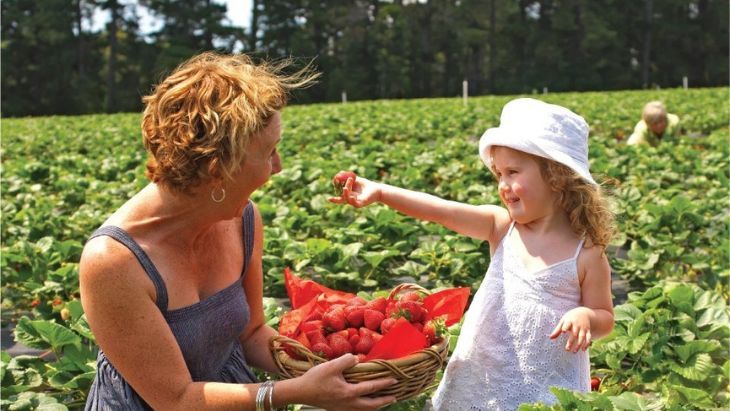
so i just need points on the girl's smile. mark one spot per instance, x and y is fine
(522, 188)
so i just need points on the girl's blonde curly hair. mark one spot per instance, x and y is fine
(586, 204)
(198, 121)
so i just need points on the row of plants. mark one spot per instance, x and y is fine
(62, 176)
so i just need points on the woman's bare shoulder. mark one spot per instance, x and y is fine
(108, 264)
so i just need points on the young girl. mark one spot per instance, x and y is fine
(547, 292)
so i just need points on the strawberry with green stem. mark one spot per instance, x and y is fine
(340, 180)
(434, 330)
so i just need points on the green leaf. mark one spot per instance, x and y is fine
(351, 250)
(82, 327)
(44, 334)
(638, 343)
(629, 401)
(709, 299)
(316, 246)
(697, 368)
(26, 334)
(685, 351)
(636, 327)
(45, 244)
(694, 396)
(713, 316)
(681, 294)
(76, 309)
(626, 312)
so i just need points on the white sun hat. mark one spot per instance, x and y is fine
(541, 129)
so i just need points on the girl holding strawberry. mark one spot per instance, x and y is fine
(547, 292)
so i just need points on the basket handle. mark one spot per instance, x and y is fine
(278, 345)
(405, 287)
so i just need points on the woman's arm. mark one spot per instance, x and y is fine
(118, 299)
(483, 222)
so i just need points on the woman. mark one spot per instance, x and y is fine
(172, 282)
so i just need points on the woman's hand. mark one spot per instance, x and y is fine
(358, 192)
(326, 387)
(577, 323)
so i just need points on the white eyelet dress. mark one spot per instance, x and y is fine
(504, 356)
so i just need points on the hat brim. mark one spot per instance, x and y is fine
(498, 136)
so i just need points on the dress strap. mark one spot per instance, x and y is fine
(249, 227)
(580, 246)
(123, 237)
(511, 226)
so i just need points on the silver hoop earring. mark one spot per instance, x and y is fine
(222, 197)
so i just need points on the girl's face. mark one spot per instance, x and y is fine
(521, 186)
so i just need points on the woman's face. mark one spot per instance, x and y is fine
(262, 158)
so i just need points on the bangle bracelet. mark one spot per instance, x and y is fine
(261, 397)
(259, 403)
(261, 394)
(271, 397)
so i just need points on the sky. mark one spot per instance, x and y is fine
(239, 14)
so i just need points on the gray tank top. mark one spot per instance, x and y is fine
(207, 331)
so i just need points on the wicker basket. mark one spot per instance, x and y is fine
(414, 373)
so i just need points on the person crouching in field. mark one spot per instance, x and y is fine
(172, 282)
(655, 125)
(547, 292)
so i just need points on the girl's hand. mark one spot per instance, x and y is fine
(327, 388)
(358, 192)
(577, 323)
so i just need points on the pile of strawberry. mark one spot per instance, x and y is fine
(357, 325)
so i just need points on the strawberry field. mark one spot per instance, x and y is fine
(62, 176)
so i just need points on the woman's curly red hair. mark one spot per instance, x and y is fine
(198, 121)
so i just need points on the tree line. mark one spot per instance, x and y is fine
(53, 62)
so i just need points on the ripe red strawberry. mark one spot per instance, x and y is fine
(342, 333)
(357, 301)
(365, 344)
(323, 350)
(386, 325)
(316, 315)
(361, 358)
(354, 315)
(339, 344)
(315, 337)
(411, 296)
(391, 309)
(377, 304)
(595, 383)
(354, 339)
(418, 326)
(334, 319)
(340, 179)
(352, 331)
(372, 319)
(308, 326)
(410, 310)
(434, 330)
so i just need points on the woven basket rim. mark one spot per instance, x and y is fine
(369, 366)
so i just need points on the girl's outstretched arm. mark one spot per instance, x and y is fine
(479, 222)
